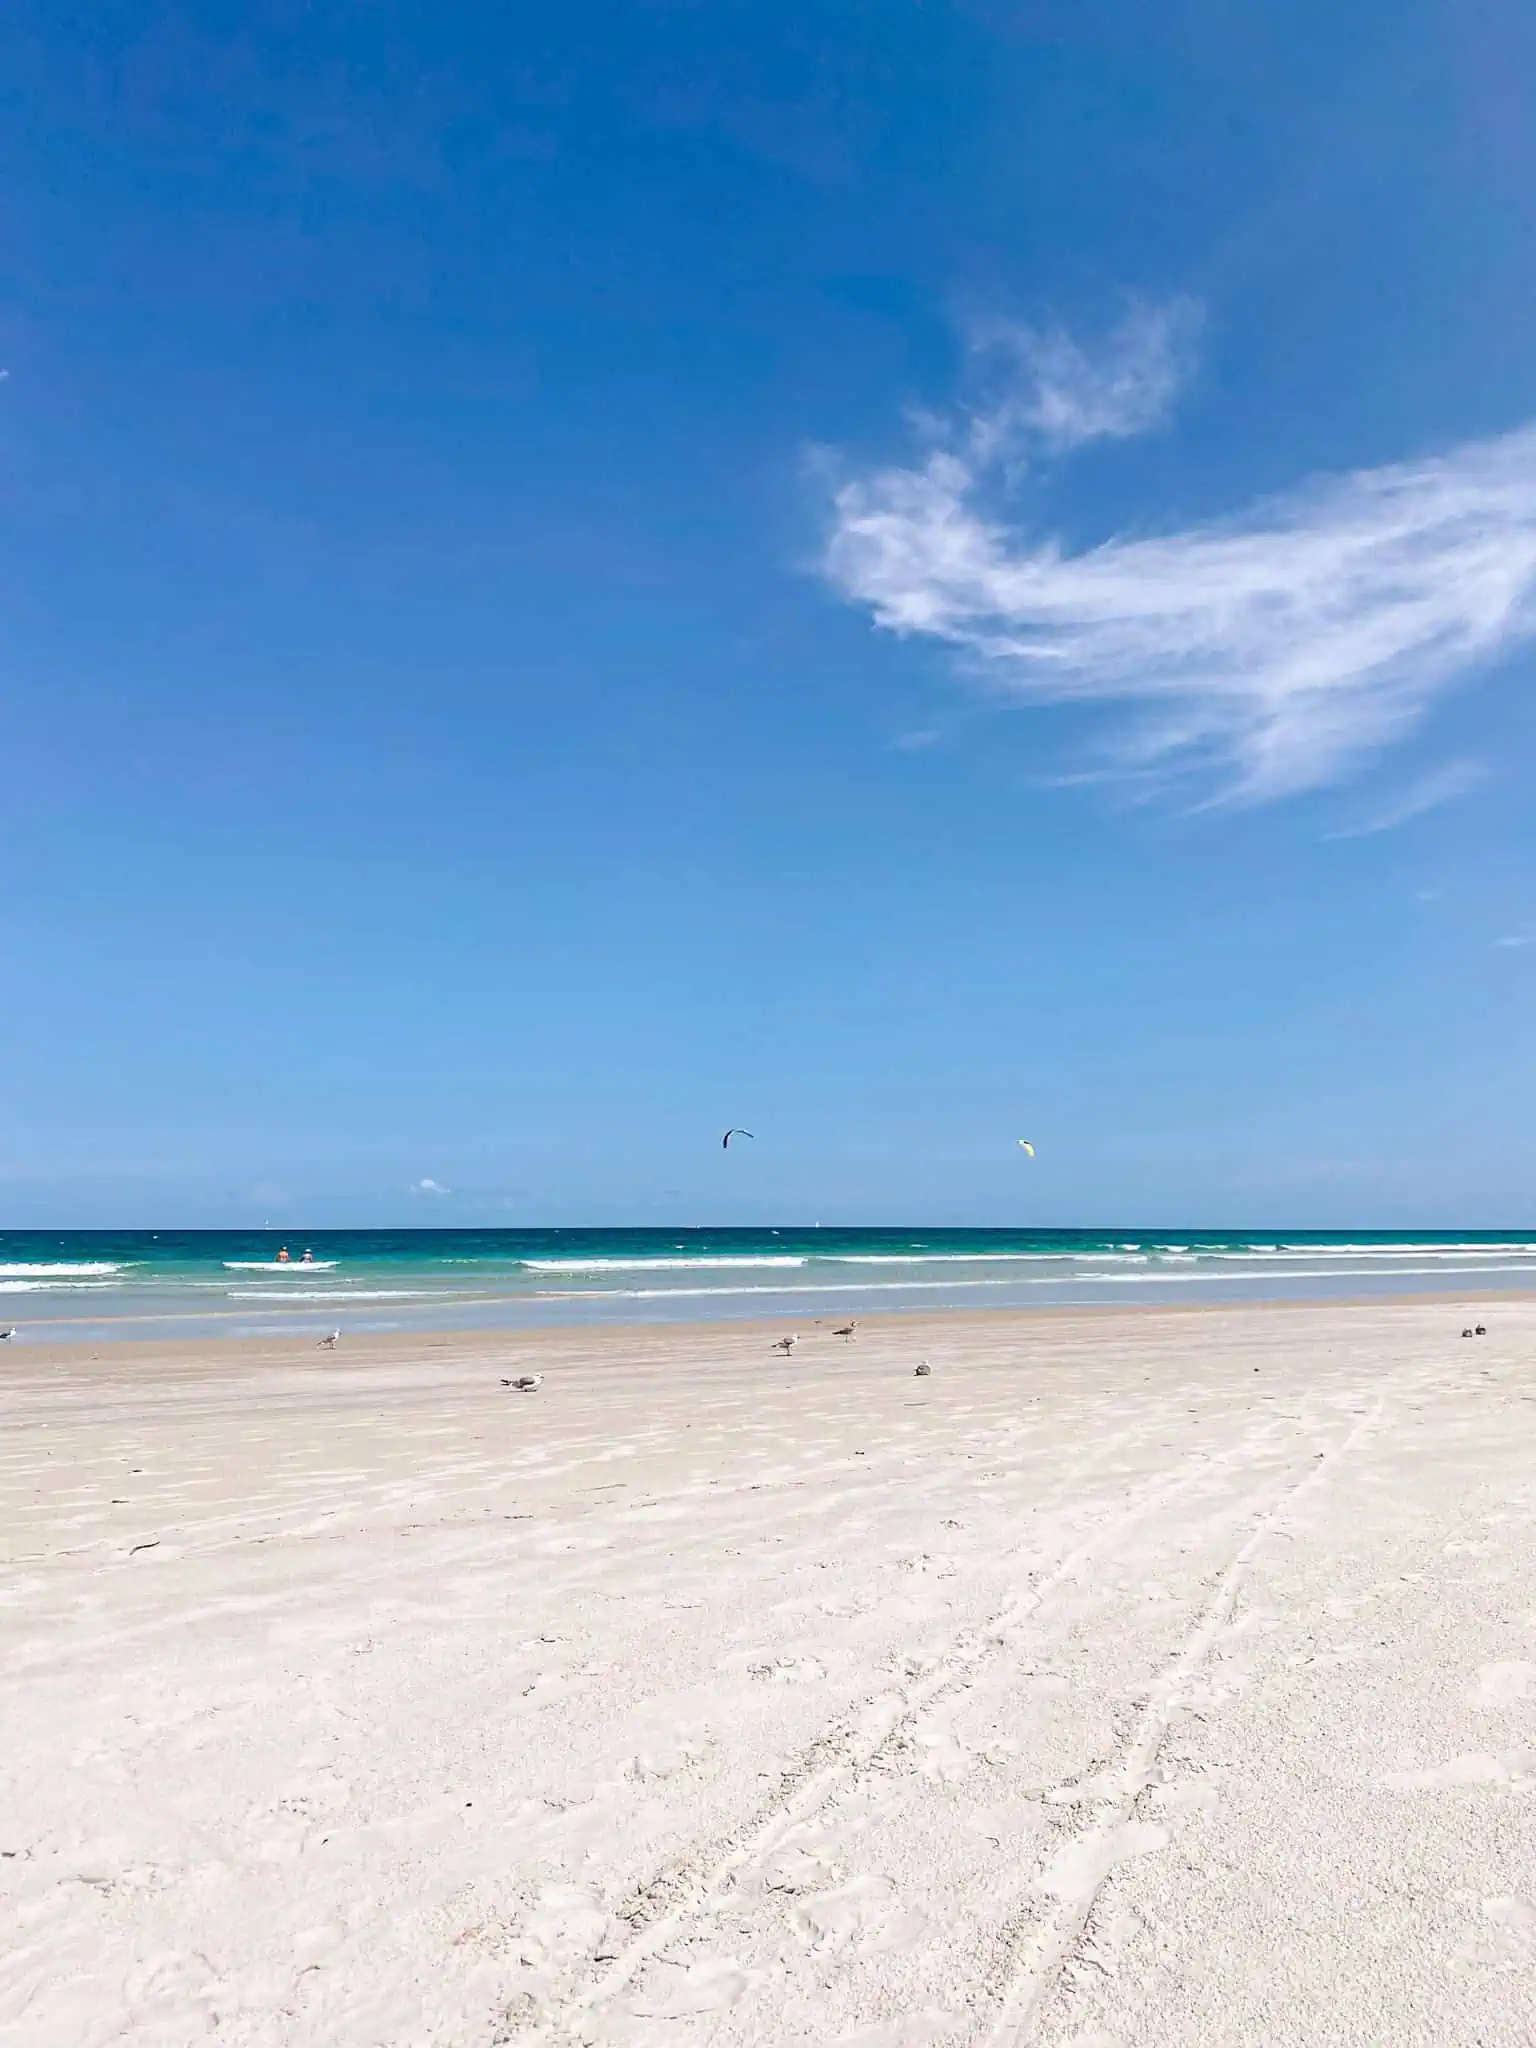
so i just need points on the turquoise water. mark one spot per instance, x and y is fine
(115, 1284)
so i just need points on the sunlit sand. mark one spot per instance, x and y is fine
(1128, 1678)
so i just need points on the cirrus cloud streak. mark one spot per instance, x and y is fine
(1264, 655)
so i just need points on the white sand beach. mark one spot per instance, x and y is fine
(1134, 1678)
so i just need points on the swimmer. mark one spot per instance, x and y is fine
(282, 1255)
(307, 1258)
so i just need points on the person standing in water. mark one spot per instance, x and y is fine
(282, 1255)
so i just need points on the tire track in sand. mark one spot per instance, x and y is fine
(700, 1884)
(1077, 1873)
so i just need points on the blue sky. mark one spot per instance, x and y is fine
(903, 575)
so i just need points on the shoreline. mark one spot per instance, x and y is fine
(691, 1331)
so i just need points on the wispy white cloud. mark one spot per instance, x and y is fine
(1048, 392)
(429, 1187)
(1428, 793)
(1263, 655)
(1517, 939)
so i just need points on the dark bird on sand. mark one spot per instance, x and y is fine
(847, 1330)
(330, 1343)
(526, 1382)
(924, 1370)
(786, 1345)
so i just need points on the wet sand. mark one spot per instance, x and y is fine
(1134, 1678)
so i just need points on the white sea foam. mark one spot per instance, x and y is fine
(714, 1263)
(1124, 1256)
(1268, 1278)
(44, 1269)
(330, 1294)
(1181, 1254)
(1375, 1251)
(52, 1286)
(950, 1258)
(811, 1290)
(273, 1265)
(1080, 1262)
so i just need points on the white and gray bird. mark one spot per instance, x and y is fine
(847, 1332)
(786, 1345)
(924, 1370)
(6, 1336)
(526, 1382)
(329, 1343)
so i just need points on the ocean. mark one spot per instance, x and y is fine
(102, 1285)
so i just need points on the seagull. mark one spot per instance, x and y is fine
(6, 1336)
(329, 1343)
(924, 1370)
(786, 1345)
(846, 1331)
(526, 1382)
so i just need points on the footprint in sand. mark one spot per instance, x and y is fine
(678, 1990)
(134, 1881)
(802, 1865)
(1199, 1692)
(918, 2030)
(1501, 1685)
(545, 1686)
(1077, 1872)
(927, 1567)
(1515, 1768)
(814, 1855)
(940, 1752)
(791, 1671)
(1188, 1798)
(582, 1827)
(667, 1760)
(307, 1807)
(1328, 1660)
(1097, 1786)
(316, 1944)
(1506, 1939)
(865, 1910)
(1103, 1948)
(175, 1982)
(1012, 1827)
(566, 1925)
